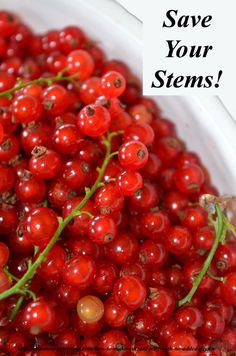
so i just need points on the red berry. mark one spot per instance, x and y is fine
(9, 148)
(79, 271)
(26, 108)
(80, 62)
(108, 199)
(161, 303)
(80, 223)
(133, 155)
(105, 278)
(228, 288)
(189, 317)
(152, 254)
(102, 230)
(90, 90)
(70, 38)
(76, 173)
(55, 99)
(37, 317)
(40, 225)
(7, 178)
(139, 132)
(30, 189)
(124, 248)
(93, 120)
(129, 182)
(67, 139)
(130, 291)
(182, 344)
(114, 343)
(178, 240)
(140, 114)
(45, 164)
(4, 254)
(213, 325)
(115, 314)
(112, 84)
(189, 178)
(155, 224)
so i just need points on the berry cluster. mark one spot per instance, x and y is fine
(105, 249)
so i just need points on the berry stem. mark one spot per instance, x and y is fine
(60, 77)
(219, 234)
(19, 287)
(17, 307)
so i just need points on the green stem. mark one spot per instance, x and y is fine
(50, 80)
(206, 265)
(216, 278)
(10, 275)
(16, 308)
(20, 285)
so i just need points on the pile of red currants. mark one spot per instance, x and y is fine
(105, 249)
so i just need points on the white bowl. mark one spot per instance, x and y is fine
(203, 123)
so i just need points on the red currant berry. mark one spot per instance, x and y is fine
(189, 178)
(144, 199)
(153, 255)
(44, 163)
(9, 147)
(133, 155)
(189, 317)
(130, 291)
(114, 343)
(53, 264)
(67, 139)
(140, 114)
(154, 224)
(105, 278)
(194, 217)
(129, 182)
(115, 315)
(228, 288)
(108, 199)
(79, 271)
(124, 248)
(8, 23)
(141, 324)
(204, 237)
(71, 38)
(161, 303)
(59, 193)
(37, 317)
(40, 225)
(213, 325)
(90, 90)
(139, 132)
(33, 135)
(182, 344)
(26, 108)
(55, 99)
(30, 189)
(178, 240)
(102, 230)
(93, 120)
(112, 84)
(76, 173)
(80, 223)
(80, 62)
(7, 178)
(225, 257)
(4, 254)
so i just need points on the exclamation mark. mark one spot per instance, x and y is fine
(219, 76)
